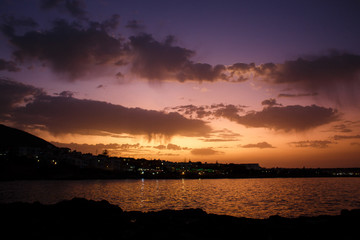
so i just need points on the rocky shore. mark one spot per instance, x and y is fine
(86, 219)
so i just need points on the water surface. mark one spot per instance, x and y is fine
(255, 198)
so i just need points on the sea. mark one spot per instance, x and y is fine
(251, 198)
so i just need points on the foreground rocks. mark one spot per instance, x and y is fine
(87, 219)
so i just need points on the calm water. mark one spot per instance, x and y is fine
(255, 198)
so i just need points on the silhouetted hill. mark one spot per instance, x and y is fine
(15, 138)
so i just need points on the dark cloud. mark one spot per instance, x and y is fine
(224, 135)
(80, 48)
(9, 23)
(336, 74)
(345, 127)
(270, 102)
(260, 145)
(240, 72)
(157, 61)
(341, 128)
(110, 24)
(8, 66)
(273, 116)
(70, 115)
(75, 8)
(191, 110)
(174, 147)
(317, 71)
(287, 118)
(170, 146)
(312, 72)
(209, 111)
(289, 95)
(65, 94)
(342, 137)
(119, 75)
(205, 151)
(229, 111)
(266, 69)
(311, 144)
(202, 72)
(135, 25)
(60, 115)
(160, 147)
(69, 48)
(241, 67)
(13, 94)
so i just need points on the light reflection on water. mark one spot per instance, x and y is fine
(255, 198)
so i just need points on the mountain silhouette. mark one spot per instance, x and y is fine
(14, 138)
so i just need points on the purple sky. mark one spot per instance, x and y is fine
(274, 82)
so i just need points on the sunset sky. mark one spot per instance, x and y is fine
(269, 82)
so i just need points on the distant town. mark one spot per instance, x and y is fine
(63, 163)
(25, 156)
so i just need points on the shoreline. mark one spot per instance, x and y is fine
(87, 219)
(55, 178)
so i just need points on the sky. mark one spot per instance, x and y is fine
(269, 82)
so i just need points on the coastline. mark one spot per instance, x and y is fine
(87, 219)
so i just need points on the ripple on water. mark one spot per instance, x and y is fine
(255, 198)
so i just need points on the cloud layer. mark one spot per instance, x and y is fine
(273, 116)
(65, 114)
(84, 47)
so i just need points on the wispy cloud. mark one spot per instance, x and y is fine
(290, 95)
(205, 151)
(260, 145)
(342, 137)
(224, 135)
(170, 146)
(311, 144)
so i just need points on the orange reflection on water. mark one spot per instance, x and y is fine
(253, 198)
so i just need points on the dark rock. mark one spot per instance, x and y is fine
(87, 219)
